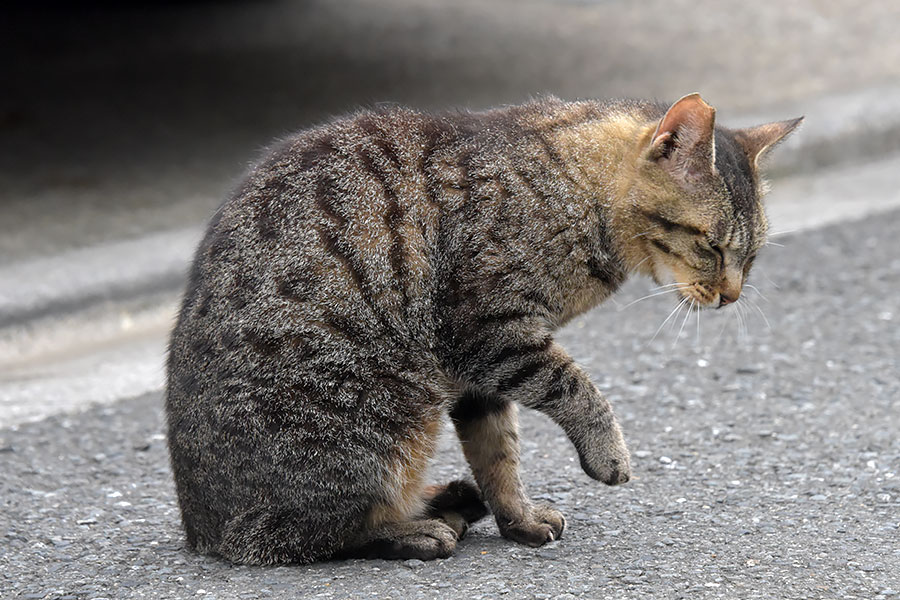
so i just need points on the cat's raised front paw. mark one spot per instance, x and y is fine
(606, 459)
(613, 472)
(543, 524)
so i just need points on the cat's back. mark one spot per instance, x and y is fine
(336, 221)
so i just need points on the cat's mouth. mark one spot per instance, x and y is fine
(696, 292)
(708, 297)
(702, 294)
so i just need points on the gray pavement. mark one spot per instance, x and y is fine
(767, 465)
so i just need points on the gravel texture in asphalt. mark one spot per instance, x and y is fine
(767, 465)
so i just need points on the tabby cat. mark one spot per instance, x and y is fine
(379, 272)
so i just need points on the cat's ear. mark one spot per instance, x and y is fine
(756, 141)
(684, 141)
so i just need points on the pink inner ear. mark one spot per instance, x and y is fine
(691, 119)
(683, 142)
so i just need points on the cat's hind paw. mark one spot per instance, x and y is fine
(426, 539)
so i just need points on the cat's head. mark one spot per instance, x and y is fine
(697, 201)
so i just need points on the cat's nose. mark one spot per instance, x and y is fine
(726, 298)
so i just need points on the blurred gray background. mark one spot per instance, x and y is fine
(123, 125)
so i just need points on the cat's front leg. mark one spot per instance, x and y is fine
(541, 375)
(488, 431)
(572, 400)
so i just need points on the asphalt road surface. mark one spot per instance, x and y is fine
(767, 464)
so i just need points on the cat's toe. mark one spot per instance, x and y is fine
(620, 473)
(531, 534)
(445, 539)
(437, 541)
(543, 525)
(551, 517)
(613, 471)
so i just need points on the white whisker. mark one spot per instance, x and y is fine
(649, 296)
(724, 325)
(687, 316)
(742, 323)
(675, 320)
(756, 289)
(680, 304)
(698, 326)
(643, 260)
(678, 284)
(746, 313)
(761, 313)
(774, 244)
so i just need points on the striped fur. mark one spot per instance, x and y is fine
(383, 270)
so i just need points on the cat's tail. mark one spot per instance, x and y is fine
(269, 535)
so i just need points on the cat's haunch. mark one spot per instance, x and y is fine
(376, 274)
